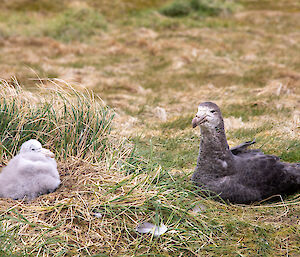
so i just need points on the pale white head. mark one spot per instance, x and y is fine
(208, 116)
(35, 146)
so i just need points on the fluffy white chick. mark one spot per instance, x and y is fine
(30, 173)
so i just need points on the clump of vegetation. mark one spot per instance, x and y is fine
(177, 9)
(75, 24)
(74, 123)
(180, 8)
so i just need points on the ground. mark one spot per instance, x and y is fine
(153, 71)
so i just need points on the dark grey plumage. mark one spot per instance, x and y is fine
(30, 173)
(238, 175)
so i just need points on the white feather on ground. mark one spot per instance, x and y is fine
(148, 227)
(30, 173)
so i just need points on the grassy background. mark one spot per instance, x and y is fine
(137, 56)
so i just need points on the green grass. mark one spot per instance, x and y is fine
(288, 5)
(258, 76)
(178, 123)
(291, 151)
(13, 221)
(7, 241)
(246, 111)
(180, 8)
(124, 187)
(68, 23)
(249, 133)
(287, 150)
(175, 152)
(72, 24)
(76, 127)
(177, 9)
(75, 25)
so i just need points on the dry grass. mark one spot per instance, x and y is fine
(92, 173)
(123, 190)
(248, 63)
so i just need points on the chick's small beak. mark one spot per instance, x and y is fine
(198, 120)
(47, 152)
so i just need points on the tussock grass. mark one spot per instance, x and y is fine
(177, 9)
(203, 8)
(73, 123)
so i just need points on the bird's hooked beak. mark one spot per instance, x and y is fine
(47, 152)
(199, 119)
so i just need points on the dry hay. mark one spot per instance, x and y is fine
(67, 214)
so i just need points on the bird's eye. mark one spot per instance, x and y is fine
(212, 111)
(32, 149)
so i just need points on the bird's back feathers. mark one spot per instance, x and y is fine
(239, 174)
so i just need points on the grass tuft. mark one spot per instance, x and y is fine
(74, 123)
(203, 8)
(176, 9)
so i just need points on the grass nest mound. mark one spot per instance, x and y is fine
(76, 126)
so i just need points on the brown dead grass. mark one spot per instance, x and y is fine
(253, 60)
(70, 211)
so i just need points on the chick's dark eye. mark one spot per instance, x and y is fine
(212, 111)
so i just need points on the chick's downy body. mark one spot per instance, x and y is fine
(30, 173)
